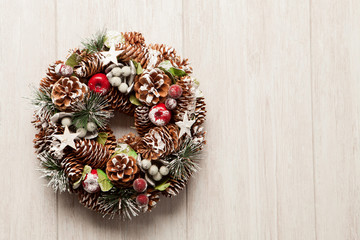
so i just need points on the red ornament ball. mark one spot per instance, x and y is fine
(175, 91)
(140, 185)
(142, 200)
(63, 70)
(99, 83)
(170, 103)
(159, 115)
(90, 183)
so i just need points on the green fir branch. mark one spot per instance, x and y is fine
(92, 109)
(119, 202)
(42, 101)
(52, 170)
(95, 43)
(184, 163)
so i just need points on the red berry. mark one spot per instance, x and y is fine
(170, 103)
(140, 185)
(142, 200)
(99, 83)
(175, 91)
(159, 115)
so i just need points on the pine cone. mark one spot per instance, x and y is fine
(154, 198)
(44, 138)
(174, 188)
(159, 142)
(134, 38)
(111, 142)
(89, 65)
(200, 111)
(187, 101)
(67, 91)
(92, 153)
(152, 86)
(51, 76)
(133, 52)
(122, 169)
(142, 121)
(131, 140)
(72, 169)
(166, 51)
(120, 102)
(182, 64)
(198, 135)
(89, 200)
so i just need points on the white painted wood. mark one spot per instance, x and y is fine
(282, 85)
(28, 208)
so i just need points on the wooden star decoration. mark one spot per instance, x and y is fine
(185, 125)
(66, 139)
(111, 55)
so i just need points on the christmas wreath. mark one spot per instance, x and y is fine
(77, 149)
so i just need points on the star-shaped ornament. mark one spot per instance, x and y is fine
(66, 139)
(111, 55)
(185, 125)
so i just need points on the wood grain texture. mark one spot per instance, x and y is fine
(281, 79)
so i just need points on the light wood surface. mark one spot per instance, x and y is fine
(282, 83)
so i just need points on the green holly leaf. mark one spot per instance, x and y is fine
(171, 71)
(126, 149)
(73, 60)
(134, 100)
(86, 170)
(103, 180)
(162, 186)
(139, 69)
(102, 137)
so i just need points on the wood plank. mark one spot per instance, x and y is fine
(252, 59)
(159, 21)
(28, 208)
(335, 38)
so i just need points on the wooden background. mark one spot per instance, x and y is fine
(281, 79)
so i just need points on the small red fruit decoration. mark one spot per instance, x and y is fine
(142, 200)
(175, 91)
(63, 70)
(170, 103)
(99, 83)
(90, 183)
(140, 185)
(159, 115)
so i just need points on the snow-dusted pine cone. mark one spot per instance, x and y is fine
(119, 102)
(44, 138)
(51, 76)
(111, 142)
(142, 121)
(166, 51)
(200, 111)
(133, 52)
(67, 91)
(72, 169)
(152, 86)
(176, 185)
(131, 140)
(159, 142)
(122, 169)
(182, 64)
(89, 65)
(187, 101)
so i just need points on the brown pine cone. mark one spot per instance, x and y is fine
(44, 138)
(159, 142)
(72, 169)
(176, 185)
(182, 64)
(198, 135)
(187, 101)
(133, 52)
(120, 102)
(67, 91)
(122, 169)
(51, 76)
(200, 111)
(90, 152)
(152, 86)
(142, 121)
(154, 198)
(111, 142)
(134, 38)
(131, 140)
(89, 65)
(166, 51)
(89, 200)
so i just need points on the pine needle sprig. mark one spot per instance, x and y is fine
(92, 109)
(119, 202)
(43, 102)
(95, 43)
(184, 163)
(52, 170)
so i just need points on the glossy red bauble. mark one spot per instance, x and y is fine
(159, 115)
(99, 83)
